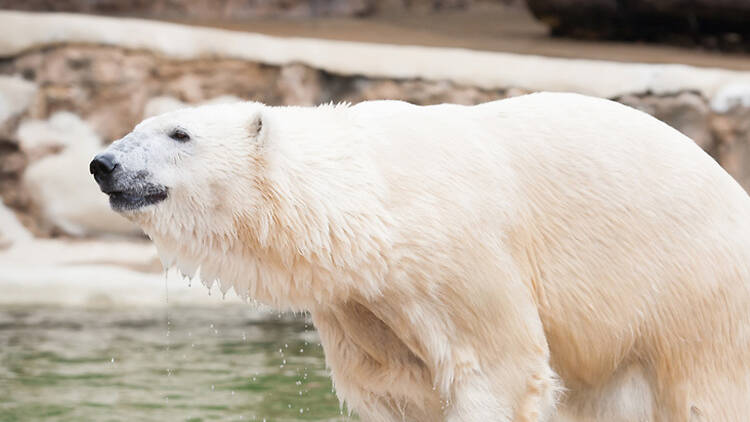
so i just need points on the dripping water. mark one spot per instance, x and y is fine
(169, 322)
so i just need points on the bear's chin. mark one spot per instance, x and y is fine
(121, 201)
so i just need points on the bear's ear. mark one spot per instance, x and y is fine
(256, 129)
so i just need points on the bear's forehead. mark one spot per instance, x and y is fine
(196, 117)
(167, 120)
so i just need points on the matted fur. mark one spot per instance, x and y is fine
(547, 257)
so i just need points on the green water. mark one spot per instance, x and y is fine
(203, 364)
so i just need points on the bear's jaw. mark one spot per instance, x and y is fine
(125, 201)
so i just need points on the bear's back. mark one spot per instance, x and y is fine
(625, 225)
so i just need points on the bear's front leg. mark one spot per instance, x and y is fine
(497, 368)
(481, 337)
(389, 369)
(373, 372)
(520, 391)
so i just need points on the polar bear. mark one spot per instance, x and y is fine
(545, 257)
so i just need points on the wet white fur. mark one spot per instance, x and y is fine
(474, 263)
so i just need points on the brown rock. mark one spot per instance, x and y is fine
(732, 130)
(420, 92)
(109, 87)
(206, 9)
(300, 85)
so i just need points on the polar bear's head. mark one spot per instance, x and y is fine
(187, 156)
(184, 176)
(252, 196)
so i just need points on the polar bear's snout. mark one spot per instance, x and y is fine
(127, 189)
(102, 166)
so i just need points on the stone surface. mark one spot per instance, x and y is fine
(95, 273)
(732, 132)
(11, 230)
(16, 94)
(731, 96)
(239, 9)
(300, 85)
(206, 9)
(110, 87)
(214, 48)
(62, 193)
(161, 105)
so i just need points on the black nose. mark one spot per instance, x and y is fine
(102, 165)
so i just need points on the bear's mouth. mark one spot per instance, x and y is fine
(129, 201)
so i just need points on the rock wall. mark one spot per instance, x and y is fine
(206, 9)
(112, 88)
(241, 10)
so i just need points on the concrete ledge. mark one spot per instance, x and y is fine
(99, 274)
(487, 70)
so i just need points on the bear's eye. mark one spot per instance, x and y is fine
(179, 135)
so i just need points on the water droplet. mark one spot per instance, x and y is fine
(212, 387)
(112, 360)
(232, 392)
(166, 285)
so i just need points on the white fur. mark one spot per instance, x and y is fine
(473, 263)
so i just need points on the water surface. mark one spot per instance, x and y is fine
(227, 363)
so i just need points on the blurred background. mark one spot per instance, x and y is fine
(91, 327)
